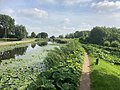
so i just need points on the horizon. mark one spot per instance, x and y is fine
(58, 17)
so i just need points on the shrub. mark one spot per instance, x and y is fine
(42, 43)
(115, 44)
(61, 41)
(106, 43)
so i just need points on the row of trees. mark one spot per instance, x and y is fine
(77, 34)
(105, 36)
(98, 35)
(39, 35)
(8, 29)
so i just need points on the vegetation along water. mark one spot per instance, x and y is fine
(39, 62)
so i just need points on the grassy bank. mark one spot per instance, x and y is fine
(104, 76)
(16, 42)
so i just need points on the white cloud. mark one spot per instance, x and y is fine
(107, 5)
(73, 2)
(84, 26)
(115, 16)
(47, 1)
(67, 21)
(7, 11)
(33, 13)
(64, 2)
(68, 28)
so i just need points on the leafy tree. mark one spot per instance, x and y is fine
(115, 44)
(6, 25)
(106, 43)
(42, 35)
(114, 34)
(79, 34)
(33, 35)
(98, 35)
(71, 35)
(20, 32)
(38, 35)
(52, 37)
(61, 36)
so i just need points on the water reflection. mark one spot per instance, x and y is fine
(33, 45)
(42, 43)
(12, 53)
(20, 51)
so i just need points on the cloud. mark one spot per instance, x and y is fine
(67, 21)
(115, 16)
(33, 13)
(84, 26)
(47, 1)
(73, 2)
(107, 5)
(7, 11)
(65, 2)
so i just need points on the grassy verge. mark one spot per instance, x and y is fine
(104, 76)
(16, 42)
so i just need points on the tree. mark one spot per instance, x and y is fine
(38, 35)
(33, 35)
(61, 36)
(115, 44)
(52, 37)
(42, 35)
(6, 25)
(114, 34)
(71, 35)
(20, 32)
(98, 35)
(107, 43)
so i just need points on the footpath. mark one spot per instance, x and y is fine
(85, 77)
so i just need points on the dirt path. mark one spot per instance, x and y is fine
(15, 42)
(85, 77)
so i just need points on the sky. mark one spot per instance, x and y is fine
(58, 17)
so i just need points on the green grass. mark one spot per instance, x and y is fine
(104, 76)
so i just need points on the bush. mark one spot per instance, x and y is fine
(106, 43)
(61, 41)
(115, 44)
(42, 43)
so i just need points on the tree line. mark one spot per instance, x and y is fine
(39, 35)
(8, 29)
(98, 35)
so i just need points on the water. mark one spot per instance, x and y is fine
(29, 55)
(24, 62)
(23, 52)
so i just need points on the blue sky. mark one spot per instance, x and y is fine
(62, 16)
